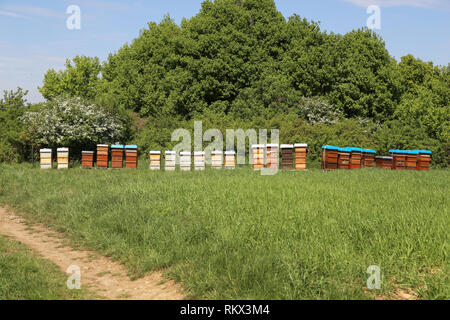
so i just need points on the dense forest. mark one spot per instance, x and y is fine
(238, 64)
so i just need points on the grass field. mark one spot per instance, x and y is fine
(26, 276)
(239, 235)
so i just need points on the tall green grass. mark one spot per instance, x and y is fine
(239, 235)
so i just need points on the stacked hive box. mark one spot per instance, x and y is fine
(399, 159)
(230, 160)
(185, 161)
(63, 158)
(423, 160)
(368, 158)
(170, 160)
(355, 158)
(102, 156)
(155, 160)
(258, 156)
(46, 158)
(272, 155)
(329, 157)
(344, 158)
(411, 160)
(300, 156)
(87, 159)
(199, 160)
(287, 158)
(384, 162)
(216, 159)
(117, 156)
(131, 156)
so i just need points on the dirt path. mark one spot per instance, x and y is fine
(99, 274)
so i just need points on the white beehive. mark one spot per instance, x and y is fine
(185, 161)
(170, 161)
(199, 160)
(216, 159)
(230, 159)
(155, 160)
(63, 158)
(46, 158)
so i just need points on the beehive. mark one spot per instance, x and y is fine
(87, 159)
(368, 158)
(344, 158)
(155, 160)
(185, 161)
(230, 159)
(102, 156)
(258, 156)
(399, 159)
(272, 156)
(355, 158)
(216, 159)
(46, 158)
(300, 150)
(199, 160)
(131, 156)
(287, 156)
(117, 156)
(384, 162)
(329, 157)
(423, 160)
(63, 158)
(170, 160)
(411, 160)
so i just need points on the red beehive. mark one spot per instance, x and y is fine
(344, 158)
(131, 156)
(368, 158)
(117, 156)
(102, 156)
(329, 157)
(355, 158)
(399, 159)
(384, 162)
(423, 160)
(87, 159)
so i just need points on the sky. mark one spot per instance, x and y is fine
(34, 36)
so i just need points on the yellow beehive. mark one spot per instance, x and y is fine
(63, 158)
(300, 156)
(46, 158)
(199, 160)
(216, 159)
(155, 160)
(170, 160)
(230, 160)
(258, 156)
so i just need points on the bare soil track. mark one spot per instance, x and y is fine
(102, 276)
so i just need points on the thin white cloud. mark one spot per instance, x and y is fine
(35, 11)
(12, 14)
(430, 4)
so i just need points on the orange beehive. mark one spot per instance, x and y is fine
(368, 158)
(230, 159)
(411, 160)
(399, 159)
(131, 156)
(329, 157)
(272, 156)
(344, 158)
(423, 160)
(258, 156)
(63, 158)
(87, 159)
(355, 158)
(102, 156)
(216, 159)
(384, 162)
(117, 156)
(300, 150)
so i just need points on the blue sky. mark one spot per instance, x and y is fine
(34, 36)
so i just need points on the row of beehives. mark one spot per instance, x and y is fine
(262, 156)
(357, 158)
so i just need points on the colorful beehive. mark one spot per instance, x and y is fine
(170, 160)
(131, 156)
(230, 159)
(344, 158)
(155, 160)
(329, 157)
(399, 159)
(117, 156)
(199, 161)
(411, 160)
(287, 156)
(62, 158)
(185, 161)
(258, 156)
(355, 158)
(272, 156)
(384, 162)
(301, 149)
(368, 158)
(87, 159)
(423, 160)
(102, 156)
(216, 159)
(46, 158)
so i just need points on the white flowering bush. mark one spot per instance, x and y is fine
(73, 122)
(316, 110)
